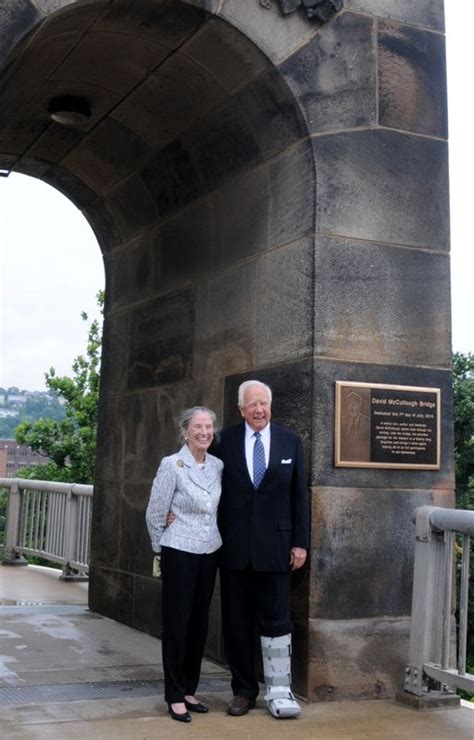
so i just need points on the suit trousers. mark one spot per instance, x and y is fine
(251, 601)
(187, 585)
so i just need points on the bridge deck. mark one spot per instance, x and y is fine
(68, 673)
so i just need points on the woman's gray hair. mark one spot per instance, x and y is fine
(246, 384)
(188, 414)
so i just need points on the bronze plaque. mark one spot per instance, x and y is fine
(387, 426)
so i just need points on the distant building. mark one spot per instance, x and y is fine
(3, 463)
(8, 412)
(13, 457)
(16, 399)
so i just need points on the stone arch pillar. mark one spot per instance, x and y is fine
(270, 196)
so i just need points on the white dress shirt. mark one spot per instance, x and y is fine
(249, 443)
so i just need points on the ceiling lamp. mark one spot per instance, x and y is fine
(69, 110)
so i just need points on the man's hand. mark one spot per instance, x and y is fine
(170, 518)
(297, 557)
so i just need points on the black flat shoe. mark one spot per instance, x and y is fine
(179, 716)
(200, 708)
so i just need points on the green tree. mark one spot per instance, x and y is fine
(463, 398)
(463, 392)
(69, 443)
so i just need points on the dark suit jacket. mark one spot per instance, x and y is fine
(260, 527)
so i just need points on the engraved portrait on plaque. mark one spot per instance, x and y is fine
(387, 426)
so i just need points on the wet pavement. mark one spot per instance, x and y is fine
(67, 673)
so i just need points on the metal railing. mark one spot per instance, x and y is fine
(434, 668)
(49, 520)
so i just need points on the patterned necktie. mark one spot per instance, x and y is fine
(258, 460)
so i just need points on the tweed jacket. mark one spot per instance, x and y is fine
(192, 494)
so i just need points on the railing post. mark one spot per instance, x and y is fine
(13, 527)
(428, 601)
(70, 537)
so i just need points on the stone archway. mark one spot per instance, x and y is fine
(197, 170)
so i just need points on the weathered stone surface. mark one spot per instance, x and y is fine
(292, 180)
(169, 101)
(133, 208)
(225, 329)
(223, 144)
(102, 220)
(110, 448)
(50, 6)
(412, 80)
(72, 186)
(161, 343)
(15, 22)
(284, 325)
(356, 659)
(133, 273)
(339, 67)
(135, 554)
(383, 186)
(240, 212)
(273, 112)
(75, 21)
(173, 178)
(56, 143)
(187, 246)
(111, 594)
(105, 524)
(24, 81)
(114, 364)
(354, 574)
(324, 473)
(278, 37)
(426, 13)
(228, 55)
(106, 156)
(374, 304)
(168, 23)
(114, 61)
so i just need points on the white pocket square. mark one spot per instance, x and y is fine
(287, 462)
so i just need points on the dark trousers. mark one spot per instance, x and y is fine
(188, 583)
(251, 601)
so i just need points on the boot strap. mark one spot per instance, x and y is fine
(271, 652)
(277, 680)
(279, 692)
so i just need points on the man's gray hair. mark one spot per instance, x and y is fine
(246, 384)
(188, 414)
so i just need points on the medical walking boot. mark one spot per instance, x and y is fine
(276, 656)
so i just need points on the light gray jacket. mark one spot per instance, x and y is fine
(192, 494)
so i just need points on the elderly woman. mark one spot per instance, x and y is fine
(188, 486)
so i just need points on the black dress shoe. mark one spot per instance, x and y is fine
(200, 708)
(179, 716)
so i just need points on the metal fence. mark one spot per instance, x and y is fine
(435, 666)
(49, 520)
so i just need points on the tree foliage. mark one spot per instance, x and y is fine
(463, 391)
(69, 443)
(463, 397)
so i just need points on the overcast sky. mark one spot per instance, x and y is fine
(51, 266)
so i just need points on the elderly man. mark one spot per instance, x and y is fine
(264, 524)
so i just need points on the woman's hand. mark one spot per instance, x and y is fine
(170, 519)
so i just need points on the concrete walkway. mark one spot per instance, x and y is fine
(68, 673)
